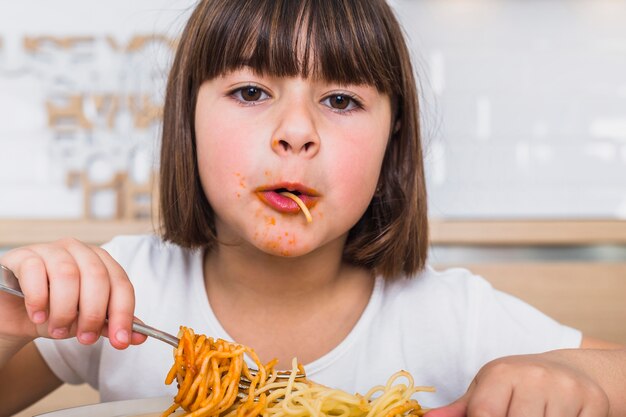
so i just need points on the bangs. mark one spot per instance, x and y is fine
(341, 41)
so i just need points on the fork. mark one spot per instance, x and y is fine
(10, 284)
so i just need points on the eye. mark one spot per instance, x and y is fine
(342, 102)
(249, 94)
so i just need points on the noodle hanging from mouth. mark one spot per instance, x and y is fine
(301, 204)
(209, 373)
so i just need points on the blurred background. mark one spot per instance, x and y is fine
(524, 126)
(524, 105)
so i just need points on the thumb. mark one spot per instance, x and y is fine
(455, 409)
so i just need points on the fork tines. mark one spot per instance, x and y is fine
(279, 375)
(244, 384)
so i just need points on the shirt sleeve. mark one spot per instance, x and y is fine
(71, 361)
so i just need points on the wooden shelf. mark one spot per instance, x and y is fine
(528, 232)
(15, 232)
(22, 232)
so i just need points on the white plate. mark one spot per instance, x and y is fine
(148, 407)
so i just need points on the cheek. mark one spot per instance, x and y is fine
(217, 138)
(359, 161)
(222, 160)
(355, 190)
(227, 143)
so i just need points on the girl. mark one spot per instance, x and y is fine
(315, 98)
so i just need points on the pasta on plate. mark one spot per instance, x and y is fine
(209, 373)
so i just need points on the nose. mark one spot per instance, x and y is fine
(296, 133)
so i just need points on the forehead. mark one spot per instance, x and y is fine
(331, 40)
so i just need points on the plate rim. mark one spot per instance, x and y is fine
(119, 408)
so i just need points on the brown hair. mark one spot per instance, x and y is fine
(345, 41)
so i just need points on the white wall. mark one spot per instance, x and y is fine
(524, 102)
(525, 106)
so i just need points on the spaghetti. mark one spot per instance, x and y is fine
(209, 373)
(307, 399)
(301, 204)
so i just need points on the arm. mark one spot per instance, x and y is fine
(590, 381)
(31, 379)
(592, 343)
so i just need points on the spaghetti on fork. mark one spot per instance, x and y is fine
(209, 373)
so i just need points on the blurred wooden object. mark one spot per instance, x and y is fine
(140, 200)
(90, 188)
(443, 232)
(139, 42)
(64, 397)
(527, 232)
(34, 44)
(145, 112)
(67, 116)
(107, 105)
(133, 200)
(19, 232)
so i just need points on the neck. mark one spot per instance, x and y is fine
(256, 275)
(278, 305)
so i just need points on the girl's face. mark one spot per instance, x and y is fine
(258, 136)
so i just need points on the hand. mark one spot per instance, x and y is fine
(70, 288)
(530, 386)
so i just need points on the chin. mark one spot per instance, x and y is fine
(283, 244)
(284, 251)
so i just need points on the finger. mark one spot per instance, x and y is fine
(94, 291)
(592, 410)
(135, 338)
(455, 409)
(121, 302)
(560, 407)
(489, 397)
(30, 271)
(572, 405)
(527, 400)
(64, 286)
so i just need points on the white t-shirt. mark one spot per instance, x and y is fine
(440, 326)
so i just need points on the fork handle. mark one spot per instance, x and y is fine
(155, 333)
(9, 282)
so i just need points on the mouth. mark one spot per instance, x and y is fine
(276, 197)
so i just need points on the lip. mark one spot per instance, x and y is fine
(270, 195)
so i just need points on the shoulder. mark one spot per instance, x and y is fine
(141, 249)
(441, 303)
(149, 261)
(455, 287)
(134, 243)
